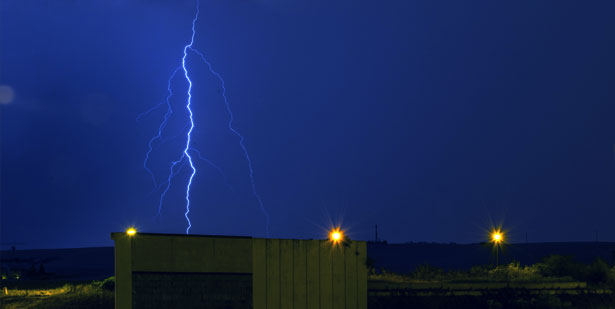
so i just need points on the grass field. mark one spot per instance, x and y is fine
(557, 282)
(57, 294)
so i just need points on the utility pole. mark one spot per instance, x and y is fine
(376, 229)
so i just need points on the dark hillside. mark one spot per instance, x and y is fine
(403, 258)
(66, 264)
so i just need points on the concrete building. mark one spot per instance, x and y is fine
(198, 271)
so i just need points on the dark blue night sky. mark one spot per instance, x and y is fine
(432, 119)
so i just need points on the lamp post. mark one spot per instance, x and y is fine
(497, 237)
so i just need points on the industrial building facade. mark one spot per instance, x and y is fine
(197, 271)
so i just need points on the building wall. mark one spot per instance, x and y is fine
(163, 270)
(291, 273)
(191, 290)
(123, 270)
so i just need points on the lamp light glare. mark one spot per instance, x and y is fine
(131, 231)
(336, 235)
(497, 237)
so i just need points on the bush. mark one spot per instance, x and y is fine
(554, 268)
(107, 284)
(564, 266)
(479, 271)
(560, 266)
(515, 272)
(427, 272)
(598, 272)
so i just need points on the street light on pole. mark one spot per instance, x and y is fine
(497, 237)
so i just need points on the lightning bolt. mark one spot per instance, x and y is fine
(186, 159)
(188, 135)
(241, 137)
(185, 154)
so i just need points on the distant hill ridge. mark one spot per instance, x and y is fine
(403, 258)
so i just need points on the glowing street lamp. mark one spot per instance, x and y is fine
(131, 231)
(497, 237)
(336, 236)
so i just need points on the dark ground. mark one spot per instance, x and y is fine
(497, 299)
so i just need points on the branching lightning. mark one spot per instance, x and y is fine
(216, 167)
(172, 174)
(241, 137)
(163, 125)
(186, 159)
(188, 135)
(185, 154)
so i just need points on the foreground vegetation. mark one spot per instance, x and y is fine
(47, 294)
(553, 268)
(556, 282)
(479, 287)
